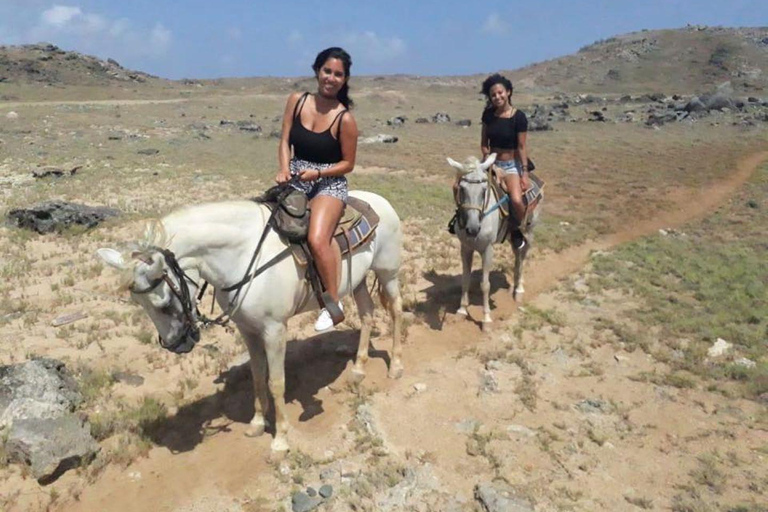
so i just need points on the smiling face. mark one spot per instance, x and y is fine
(499, 96)
(331, 77)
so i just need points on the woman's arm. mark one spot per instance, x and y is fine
(522, 138)
(485, 147)
(284, 148)
(348, 138)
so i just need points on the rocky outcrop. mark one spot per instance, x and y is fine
(38, 421)
(59, 215)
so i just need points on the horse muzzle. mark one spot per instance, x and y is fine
(183, 343)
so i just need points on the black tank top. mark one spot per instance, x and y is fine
(321, 148)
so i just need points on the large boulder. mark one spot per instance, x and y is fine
(41, 388)
(51, 446)
(58, 215)
(37, 420)
(499, 497)
(718, 102)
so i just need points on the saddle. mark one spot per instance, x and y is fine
(356, 227)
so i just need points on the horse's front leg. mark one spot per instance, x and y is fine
(274, 346)
(485, 285)
(466, 272)
(365, 309)
(258, 365)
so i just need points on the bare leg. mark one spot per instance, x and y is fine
(259, 374)
(326, 212)
(274, 345)
(485, 285)
(390, 288)
(365, 308)
(466, 271)
(515, 190)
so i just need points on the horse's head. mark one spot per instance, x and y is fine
(473, 191)
(161, 287)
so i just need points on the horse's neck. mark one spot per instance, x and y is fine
(215, 238)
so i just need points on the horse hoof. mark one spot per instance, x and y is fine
(255, 430)
(517, 294)
(395, 371)
(279, 446)
(487, 325)
(462, 311)
(357, 376)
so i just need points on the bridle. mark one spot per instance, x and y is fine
(464, 206)
(194, 320)
(192, 317)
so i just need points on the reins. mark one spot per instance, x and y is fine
(193, 317)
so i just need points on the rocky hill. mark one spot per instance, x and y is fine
(48, 64)
(691, 59)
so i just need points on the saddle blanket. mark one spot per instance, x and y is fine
(356, 227)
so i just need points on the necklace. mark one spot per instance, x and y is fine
(507, 110)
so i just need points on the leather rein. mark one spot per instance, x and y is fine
(193, 318)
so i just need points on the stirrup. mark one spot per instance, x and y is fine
(337, 315)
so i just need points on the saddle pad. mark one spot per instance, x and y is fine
(531, 197)
(356, 227)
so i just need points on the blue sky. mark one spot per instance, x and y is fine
(206, 38)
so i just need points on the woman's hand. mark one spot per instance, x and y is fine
(309, 174)
(283, 177)
(525, 182)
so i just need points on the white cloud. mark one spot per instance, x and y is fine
(160, 38)
(72, 28)
(60, 15)
(495, 25)
(371, 47)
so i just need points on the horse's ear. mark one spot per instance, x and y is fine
(488, 161)
(112, 258)
(456, 165)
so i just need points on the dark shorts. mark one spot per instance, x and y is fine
(334, 186)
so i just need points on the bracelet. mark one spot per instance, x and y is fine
(319, 174)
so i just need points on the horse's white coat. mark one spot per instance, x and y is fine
(480, 232)
(216, 241)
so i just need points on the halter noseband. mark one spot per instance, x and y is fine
(465, 206)
(180, 291)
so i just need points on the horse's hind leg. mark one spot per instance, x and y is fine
(390, 298)
(274, 346)
(258, 365)
(365, 309)
(466, 274)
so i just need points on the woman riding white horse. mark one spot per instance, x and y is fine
(480, 226)
(217, 243)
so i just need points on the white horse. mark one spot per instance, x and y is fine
(216, 242)
(478, 229)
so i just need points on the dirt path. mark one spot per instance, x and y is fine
(214, 471)
(17, 104)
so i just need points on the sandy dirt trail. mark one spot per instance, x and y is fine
(221, 467)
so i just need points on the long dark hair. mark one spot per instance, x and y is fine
(492, 80)
(335, 52)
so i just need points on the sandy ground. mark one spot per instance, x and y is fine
(554, 412)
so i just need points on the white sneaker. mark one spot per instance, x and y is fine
(324, 321)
